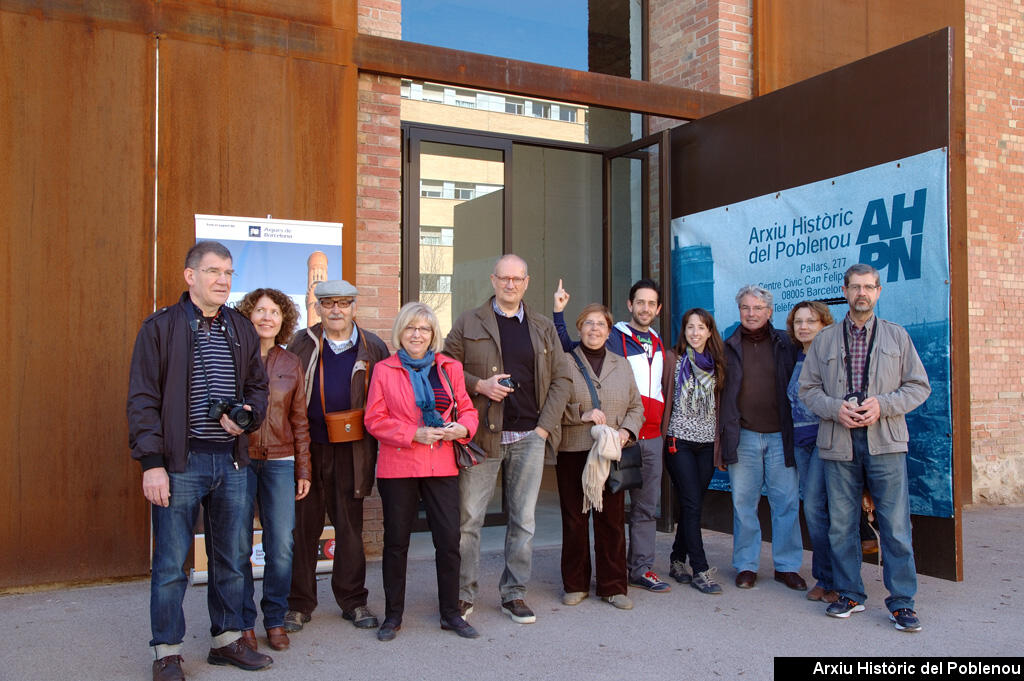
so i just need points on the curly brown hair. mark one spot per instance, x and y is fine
(289, 312)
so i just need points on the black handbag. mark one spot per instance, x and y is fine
(469, 454)
(627, 472)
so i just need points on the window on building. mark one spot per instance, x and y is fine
(465, 191)
(436, 236)
(435, 283)
(431, 189)
(465, 99)
(567, 114)
(514, 106)
(433, 93)
(540, 109)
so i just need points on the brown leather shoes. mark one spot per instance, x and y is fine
(822, 594)
(239, 655)
(791, 579)
(249, 639)
(746, 579)
(277, 638)
(168, 669)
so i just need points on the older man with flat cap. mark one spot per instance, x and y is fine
(339, 358)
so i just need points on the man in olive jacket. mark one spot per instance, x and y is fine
(861, 376)
(343, 472)
(503, 339)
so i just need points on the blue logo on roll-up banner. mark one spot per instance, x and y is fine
(797, 243)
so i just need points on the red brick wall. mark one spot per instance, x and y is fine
(378, 207)
(995, 233)
(703, 45)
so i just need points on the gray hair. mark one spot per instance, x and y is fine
(757, 292)
(860, 268)
(409, 313)
(201, 248)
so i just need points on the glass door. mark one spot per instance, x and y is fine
(636, 229)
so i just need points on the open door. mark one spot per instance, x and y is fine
(859, 164)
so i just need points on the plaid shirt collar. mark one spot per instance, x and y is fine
(858, 348)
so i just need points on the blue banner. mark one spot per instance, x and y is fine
(797, 243)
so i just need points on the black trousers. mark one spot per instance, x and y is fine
(400, 499)
(690, 468)
(332, 489)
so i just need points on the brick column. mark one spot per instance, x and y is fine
(378, 208)
(995, 240)
(701, 44)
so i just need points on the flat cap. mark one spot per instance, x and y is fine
(336, 288)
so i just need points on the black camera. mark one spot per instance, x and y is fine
(236, 412)
(509, 382)
(856, 398)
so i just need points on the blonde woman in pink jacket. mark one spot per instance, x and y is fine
(416, 406)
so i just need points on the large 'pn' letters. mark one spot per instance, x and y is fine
(890, 250)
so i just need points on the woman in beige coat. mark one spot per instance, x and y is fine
(622, 410)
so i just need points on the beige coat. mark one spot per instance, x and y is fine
(896, 378)
(475, 342)
(620, 401)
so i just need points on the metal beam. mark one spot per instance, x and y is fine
(402, 58)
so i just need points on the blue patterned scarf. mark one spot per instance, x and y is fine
(419, 374)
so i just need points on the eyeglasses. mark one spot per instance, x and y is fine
(216, 272)
(754, 308)
(597, 324)
(505, 281)
(866, 288)
(331, 303)
(422, 330)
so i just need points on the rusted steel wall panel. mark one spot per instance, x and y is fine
(414, 60)
(248, 134)
(76, 139)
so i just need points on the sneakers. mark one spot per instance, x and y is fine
(518, 611)
(844, 607)
(294, 620)
(651, 582)
(574, 597)
(905, 619)
(620, 601)
(465, 608)
(679, 572)
(704, 582)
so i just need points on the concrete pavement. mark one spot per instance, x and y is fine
(100, 633)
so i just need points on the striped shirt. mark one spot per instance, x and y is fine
(213, 375)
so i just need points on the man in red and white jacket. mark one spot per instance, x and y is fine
(643, 349)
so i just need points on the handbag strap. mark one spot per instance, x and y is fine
(366, 372)
(590, 384)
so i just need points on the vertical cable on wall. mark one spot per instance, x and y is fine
(156, 163)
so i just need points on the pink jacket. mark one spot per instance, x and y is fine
(392, 417)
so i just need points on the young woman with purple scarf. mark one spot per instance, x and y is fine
(692, 441)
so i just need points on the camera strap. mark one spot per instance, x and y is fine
(586, 377)
(867, 358)
(195, 323)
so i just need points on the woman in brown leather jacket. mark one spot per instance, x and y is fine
(279, 469)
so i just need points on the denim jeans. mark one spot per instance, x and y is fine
(762, 462)
(885, 476)
(213, 481)
(643, 510)
(272, 484)
(691, 468)
(812, 490)
(522, 464)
